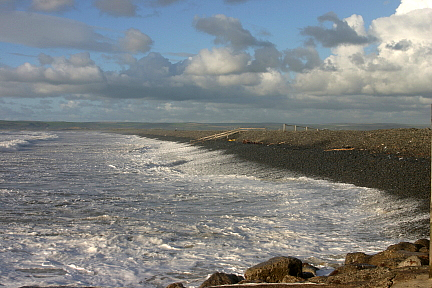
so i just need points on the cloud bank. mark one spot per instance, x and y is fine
(382, 68)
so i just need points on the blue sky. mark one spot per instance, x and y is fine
(280, 61)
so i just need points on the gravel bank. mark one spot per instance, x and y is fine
(395, 160)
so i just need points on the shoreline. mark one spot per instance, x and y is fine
(396, 161)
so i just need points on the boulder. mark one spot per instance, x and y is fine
(292, 279)
(423, 242)
(219, 278)
(351, 269)
(413, 261)
(175, 285)
(368, 277)
(406, 246)
(392, 256)
(308, 270)
(275, 269)
(357, 258)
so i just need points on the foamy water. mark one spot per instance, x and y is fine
(101, 209)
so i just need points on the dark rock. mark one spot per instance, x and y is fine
(372, 277)
(250, 282)
(219, 278)
(275, 269)
(406, 246)
(392, 256)
(423, 242)
(292, 279)
(318, 279)
(357, 258)
(351, 269)
(424, 250)
(176, 285)
(308, 270)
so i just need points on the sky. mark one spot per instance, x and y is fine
(216, 61)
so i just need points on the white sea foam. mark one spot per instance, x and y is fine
(114, 211)
(13, 141)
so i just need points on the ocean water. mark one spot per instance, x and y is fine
(91, 208)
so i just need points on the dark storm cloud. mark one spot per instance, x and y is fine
(228, 30)
(341, 33)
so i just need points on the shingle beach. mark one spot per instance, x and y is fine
(393, 160)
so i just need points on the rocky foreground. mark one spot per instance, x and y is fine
(403, 265)
(400, 265)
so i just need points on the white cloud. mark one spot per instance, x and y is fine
(77, 73)
(135, 41)
(219, 82)
(410, 5)
(401, 65)
(413, 26)
(52, 5)
(218, 61)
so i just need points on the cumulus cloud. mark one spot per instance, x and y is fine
(45, 31)
(54, 75)
(135, 41)
(410, 5)
(227, 30)
(340, 34)
(117, 8)
(153, 67)
(265, 58)
(400, 65)
(217, 62)
(413, 26)
(52, 5)
(240, 71)
(301, 59)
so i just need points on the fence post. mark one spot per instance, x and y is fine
(430, 226)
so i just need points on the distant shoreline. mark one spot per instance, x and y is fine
(394, 160)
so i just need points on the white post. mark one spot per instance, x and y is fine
(430, 226)
(295, 127)
(284, 127)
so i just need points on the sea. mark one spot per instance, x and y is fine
(111, 210)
